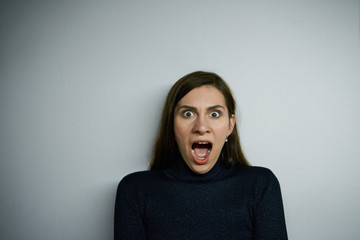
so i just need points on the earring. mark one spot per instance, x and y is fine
(226, 140)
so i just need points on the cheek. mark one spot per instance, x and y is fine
(221, 129)
(180, 131)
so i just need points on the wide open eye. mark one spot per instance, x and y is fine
(188, 114)
(215, 114)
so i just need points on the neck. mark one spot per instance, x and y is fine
(181, 172)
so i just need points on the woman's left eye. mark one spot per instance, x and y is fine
(215, 114)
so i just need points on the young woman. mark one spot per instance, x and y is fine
(199, 186)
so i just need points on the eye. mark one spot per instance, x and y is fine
(215, 114)
(188, 114)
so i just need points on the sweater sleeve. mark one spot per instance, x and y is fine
(269, 217)
(128, 223)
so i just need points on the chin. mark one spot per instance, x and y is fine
(200, 169)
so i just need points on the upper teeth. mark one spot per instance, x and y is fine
(203, 143)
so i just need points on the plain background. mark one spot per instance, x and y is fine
(83, 83)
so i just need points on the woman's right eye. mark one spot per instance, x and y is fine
(188, 114)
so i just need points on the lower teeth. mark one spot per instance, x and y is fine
(202, 158)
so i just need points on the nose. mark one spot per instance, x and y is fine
(201, 126)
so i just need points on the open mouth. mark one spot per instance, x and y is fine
(201, 151)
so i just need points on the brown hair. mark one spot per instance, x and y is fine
(165, 150)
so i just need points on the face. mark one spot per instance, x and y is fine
(201, 126)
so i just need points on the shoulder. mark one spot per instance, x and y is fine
(135, 186)
(260, 182)
(141, 179)
(255, 174)
(254, 171)
(141, 176)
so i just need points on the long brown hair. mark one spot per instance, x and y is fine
(166, 152)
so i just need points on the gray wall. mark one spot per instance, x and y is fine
(83, 82)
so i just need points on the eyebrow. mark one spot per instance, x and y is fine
(194, 109)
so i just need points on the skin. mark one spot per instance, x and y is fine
(202, 115)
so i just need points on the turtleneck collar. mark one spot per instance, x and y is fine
(181, 172)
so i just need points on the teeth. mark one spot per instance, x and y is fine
(203, 143)
(209, 150)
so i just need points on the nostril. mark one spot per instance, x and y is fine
(201, 128)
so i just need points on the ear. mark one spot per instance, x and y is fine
(231, 124)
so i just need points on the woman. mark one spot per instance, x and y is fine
(199, 185)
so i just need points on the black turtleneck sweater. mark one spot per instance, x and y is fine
(238, 203)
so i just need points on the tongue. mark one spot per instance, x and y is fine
(201, 152)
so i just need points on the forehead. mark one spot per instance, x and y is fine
(203, 96)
